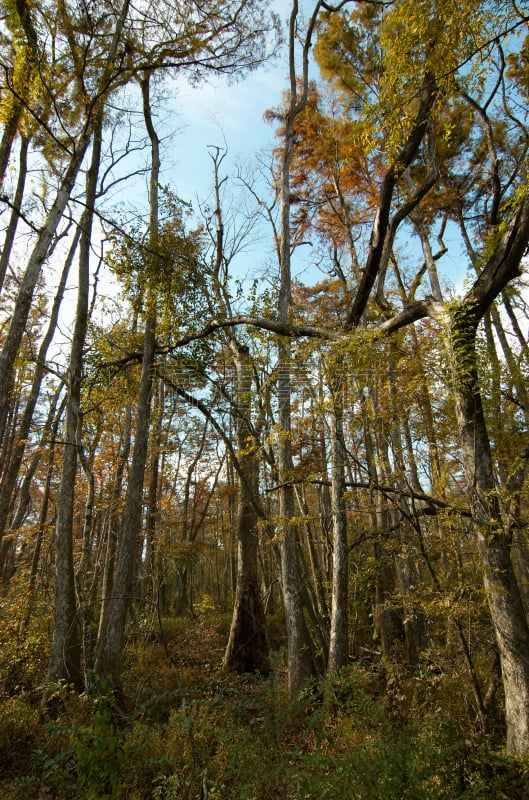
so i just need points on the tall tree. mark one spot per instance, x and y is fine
(65, 656)
(247, 648)
(111, 644)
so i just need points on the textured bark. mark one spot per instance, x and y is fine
(152, 512)
(247, 649)
(114, 526)
(84, 568)
(11, 472)
(65, 654)
(503, 594)
(110, 647)
(299, 658)
(36, 260)
(339, 637)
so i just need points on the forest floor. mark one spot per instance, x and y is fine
(186, 730)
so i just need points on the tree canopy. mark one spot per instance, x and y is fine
(319, 442)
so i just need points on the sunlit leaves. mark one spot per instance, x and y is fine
(167, 264)
(379, 58)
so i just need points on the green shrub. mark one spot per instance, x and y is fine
(99, 755)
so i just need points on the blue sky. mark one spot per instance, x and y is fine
(221, 114)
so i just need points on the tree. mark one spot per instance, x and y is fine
(247, 648)
(359, 44)
(65, 657)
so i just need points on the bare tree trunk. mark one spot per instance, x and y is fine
(11, 230)
(109, 659)
(9, 478)
(85, 563)
(339, 639)
(110, 646)
(247, 649)
(65, 655)
(152, 513)
(114, 527)
(300, 663)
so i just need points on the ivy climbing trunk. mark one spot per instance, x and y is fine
(501, 586)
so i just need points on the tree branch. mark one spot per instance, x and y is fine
(382, 219)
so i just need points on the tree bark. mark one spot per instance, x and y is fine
(300, 663)
(247, 649)
(11, 230)
(114, 527)
(503, 594)
(339, 638)
(65, 654)
(11, 472)
(109, 660)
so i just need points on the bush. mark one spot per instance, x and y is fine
(19, 724)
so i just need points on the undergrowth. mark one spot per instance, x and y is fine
(188, 730)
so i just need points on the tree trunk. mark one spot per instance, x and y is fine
(387, 625)
(11, 472)
(65, 655)
(109, 660)
(247, 649)
(24, 298)
(11, 230)
(502, 590)
(85, 565)
(299, 650)
(152, 513)
(300, 663)
(339, 639)
(114, 526)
